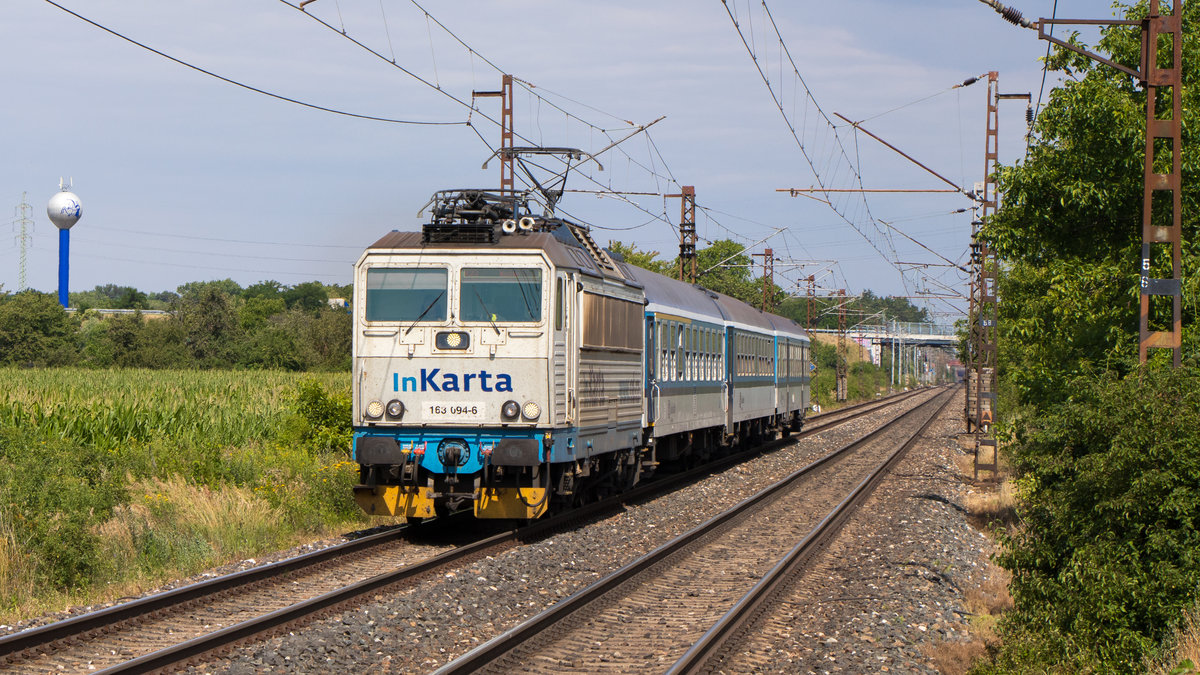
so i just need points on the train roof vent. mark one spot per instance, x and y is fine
(598, 254)
(480, 232)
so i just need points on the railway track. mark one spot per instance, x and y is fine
(191, 623)
(670, 610)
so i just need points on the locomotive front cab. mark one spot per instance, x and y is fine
(451, 401)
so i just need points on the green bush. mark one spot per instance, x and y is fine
(55, 493)
(319, 420)
(1109, 555)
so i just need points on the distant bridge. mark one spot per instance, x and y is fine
(903, 338)
(908, 333)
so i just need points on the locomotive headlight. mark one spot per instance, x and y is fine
(452, 339)
(531, 410)
(374, 410)
(510, 410)
(395, 408)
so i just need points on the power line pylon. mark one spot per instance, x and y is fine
(841, 347)
(687, 232)
(812, 301)
(1154, 231)
(981, 394)
(768, 276)
(23, 223)
(981, 415)
(507, 184)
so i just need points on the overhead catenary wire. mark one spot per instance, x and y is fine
(816, 165)
(529, 87)
(460, 101)
(221, 239)
(1045, 67)
(224, 254)
(965, 83)
(243, 85)
(163, 263)
(828, 155)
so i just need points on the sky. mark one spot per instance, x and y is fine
(185, 177)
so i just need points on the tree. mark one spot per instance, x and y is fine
(161, 343)
(725, 267)
(255, 312)
(264, 289)
(209, 325)
(1069, 227)
(194, 289)
(35, 330)
(132, 298)
(310, 296)
(1104, 449)
(647, 260)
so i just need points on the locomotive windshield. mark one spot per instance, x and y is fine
(503, 295)
(406, 294)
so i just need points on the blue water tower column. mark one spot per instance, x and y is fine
(64, 211)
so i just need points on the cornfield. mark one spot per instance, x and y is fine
(115, 408)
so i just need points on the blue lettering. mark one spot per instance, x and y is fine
(427, 382)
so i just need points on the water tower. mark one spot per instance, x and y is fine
(64, 211)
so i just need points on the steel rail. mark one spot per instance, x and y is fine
(43, 639)
(696, 659)
(495, 648)
(860, 409)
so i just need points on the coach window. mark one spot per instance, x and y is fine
(721, 355)
(406, 294)
(559, 292)
(680, 354)
(685, 351)
(691, 353)
(739, 358)
(663, 351)
(712, 360)
(707, 354)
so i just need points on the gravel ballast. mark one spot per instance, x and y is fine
(892, 583)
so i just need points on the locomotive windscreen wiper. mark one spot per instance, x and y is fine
(487, 312)
(426, 311)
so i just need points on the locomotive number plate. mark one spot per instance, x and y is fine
(459, 411)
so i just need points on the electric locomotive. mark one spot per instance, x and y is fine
(505, 363)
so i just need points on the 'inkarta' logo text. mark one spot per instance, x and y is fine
(436, 380)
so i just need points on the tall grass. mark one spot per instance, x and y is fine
(111, 480)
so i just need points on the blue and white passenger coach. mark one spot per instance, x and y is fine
(505, 362)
